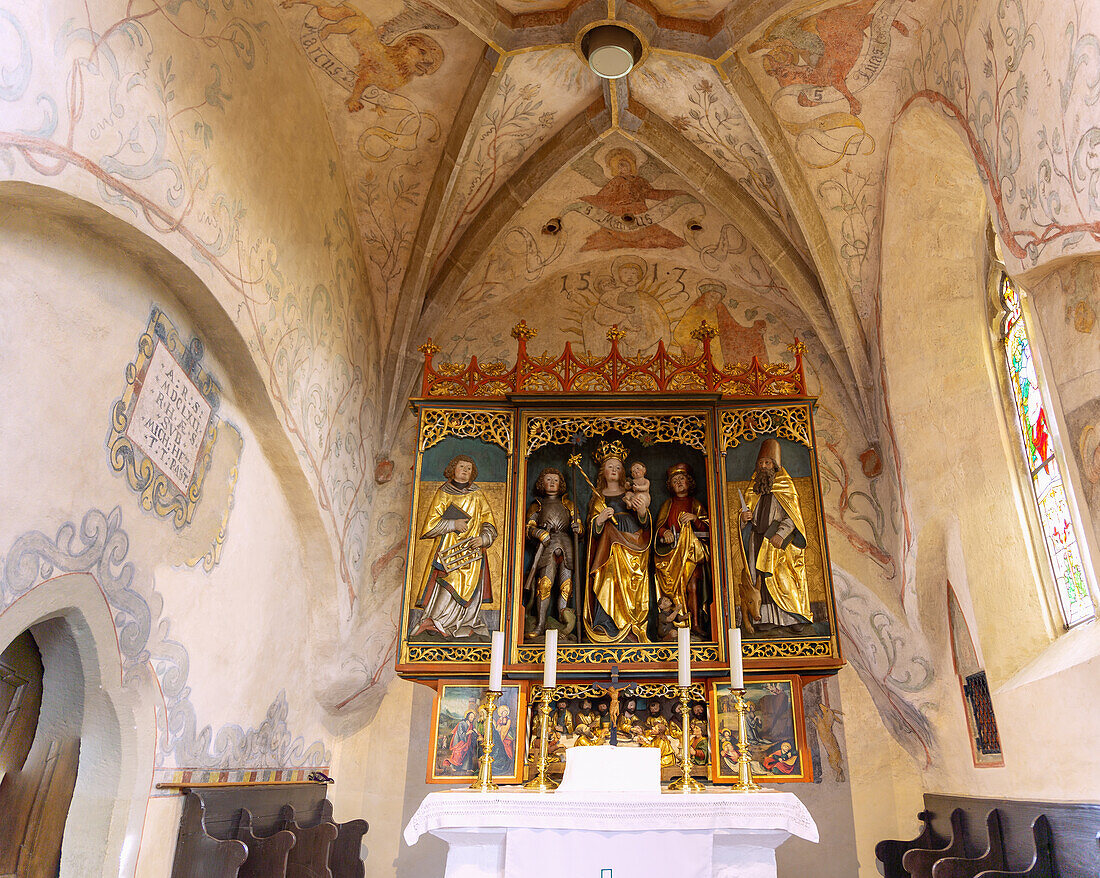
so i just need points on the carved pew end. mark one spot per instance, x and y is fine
(199, 854)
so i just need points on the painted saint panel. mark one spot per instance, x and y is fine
(776, 731)
(455, 584)
(779, 570)
(458, 739)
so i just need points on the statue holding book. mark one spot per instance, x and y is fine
(460, 524)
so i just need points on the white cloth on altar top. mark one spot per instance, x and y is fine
(512, 832)
(612, 812)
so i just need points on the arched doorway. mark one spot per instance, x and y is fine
(43, 704)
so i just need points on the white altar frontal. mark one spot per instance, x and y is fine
(584, 834)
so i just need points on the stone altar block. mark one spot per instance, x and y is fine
(517, 834)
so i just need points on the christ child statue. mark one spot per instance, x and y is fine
(637, 495)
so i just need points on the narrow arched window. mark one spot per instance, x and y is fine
(1048, 488)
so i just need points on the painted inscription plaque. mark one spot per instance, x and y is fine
(170, 419)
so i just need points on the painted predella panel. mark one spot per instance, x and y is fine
(632, 715)
(455, 580)
(776, 725)
(458, 734)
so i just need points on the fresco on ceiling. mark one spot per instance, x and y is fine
(627, 208)
(687, 94)
(612, 198)
(703, 10)
(537, 93)
(822, 60)
(1020, 79)
(373, 61)
(391, 75)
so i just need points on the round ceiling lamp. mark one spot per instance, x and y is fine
(611, 50)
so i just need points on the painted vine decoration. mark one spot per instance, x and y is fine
(663, 372)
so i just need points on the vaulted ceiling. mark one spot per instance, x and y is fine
(486, 160)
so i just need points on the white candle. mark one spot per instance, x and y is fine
(683, 641)
(496, 661)
(550, 660)
(737, 668)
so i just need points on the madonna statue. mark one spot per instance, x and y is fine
(616, 603)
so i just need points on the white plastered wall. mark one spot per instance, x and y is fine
(960, 457)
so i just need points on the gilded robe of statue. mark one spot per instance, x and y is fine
(781, 570)
(617, 602)
(676, 564)
(659, 732)
(460, 522)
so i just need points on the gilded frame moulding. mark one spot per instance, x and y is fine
(626, 689)
(489, 426)
(473, 653)
(745, 424)
(690, 430)
(159, 494)
(640, 653)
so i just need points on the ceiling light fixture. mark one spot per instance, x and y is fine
(611, 50)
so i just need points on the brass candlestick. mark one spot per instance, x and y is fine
(745, 783)
(685, 784)
(484, 781)
(540, 783)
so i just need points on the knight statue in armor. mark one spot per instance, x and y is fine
(551, 522)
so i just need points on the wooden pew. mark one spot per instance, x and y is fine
(269, 830)
(1039, 840)
(918, 862)
(968, 867)
(1042, 864)
(345, 860)
(313, 844)
(890, 851)
(199, 854)
(267, 855)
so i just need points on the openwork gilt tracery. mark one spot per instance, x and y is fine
(662, 372)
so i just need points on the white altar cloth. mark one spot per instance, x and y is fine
(516, 834)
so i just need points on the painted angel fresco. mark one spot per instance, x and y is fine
(628, 209)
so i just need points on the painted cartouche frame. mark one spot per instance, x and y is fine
(616, 501)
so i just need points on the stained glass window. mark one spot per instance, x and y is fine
(1046, 479)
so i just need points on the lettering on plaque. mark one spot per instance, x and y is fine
(170, 418)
